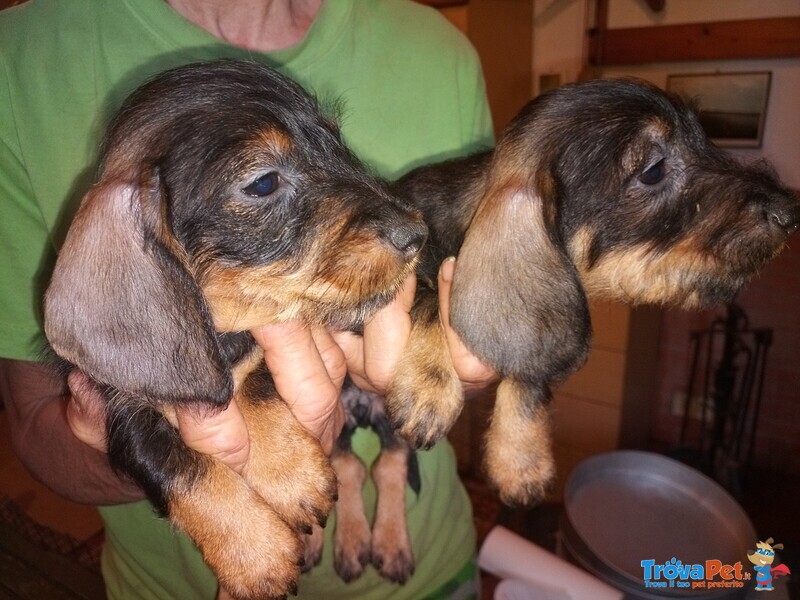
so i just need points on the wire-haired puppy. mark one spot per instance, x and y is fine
(225, 200)
(605, 189)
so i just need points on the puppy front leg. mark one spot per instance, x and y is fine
(253, 552)
(286, 466)
(519, 456)
(314, 543)
(425, 396)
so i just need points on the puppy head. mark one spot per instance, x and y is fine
(608, 188)
(226, 200)
(651, 211)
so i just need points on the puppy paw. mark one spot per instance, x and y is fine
(424, 400)
(314, 543)
(287, 466)
(425, 396)
(351, 551)
(392, 555)
(519, 479)
(253, 552)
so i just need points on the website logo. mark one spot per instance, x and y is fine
(762, 558)
(711, 574)
(714, 574)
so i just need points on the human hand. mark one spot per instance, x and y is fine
(85, 411)
(308, 369)
(221, 434)
(223, 594)
(371, 358)
(475, 375)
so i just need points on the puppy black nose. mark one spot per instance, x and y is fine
(408, 238)
(787, 218)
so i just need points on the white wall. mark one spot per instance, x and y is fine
(559, 47)
(559, 29)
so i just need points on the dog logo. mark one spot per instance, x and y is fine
(762, 558)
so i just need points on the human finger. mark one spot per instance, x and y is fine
(301, 375)
(85, 411)
(222, 434)
(386, 336)
(473, 373)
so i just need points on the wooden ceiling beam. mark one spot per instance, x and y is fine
(723, 40)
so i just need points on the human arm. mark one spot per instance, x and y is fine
(36, 398)
(58, 427)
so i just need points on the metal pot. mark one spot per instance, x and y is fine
(625, 507)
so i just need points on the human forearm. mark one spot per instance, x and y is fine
(35, 399)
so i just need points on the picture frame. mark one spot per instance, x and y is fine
(732, 107)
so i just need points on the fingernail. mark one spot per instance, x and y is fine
(448, 268)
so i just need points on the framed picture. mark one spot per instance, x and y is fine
(732, 106)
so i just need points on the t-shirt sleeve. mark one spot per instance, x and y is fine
(25, 247)
(478, 130)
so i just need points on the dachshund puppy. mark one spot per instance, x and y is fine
(605, 189)
(225, 200)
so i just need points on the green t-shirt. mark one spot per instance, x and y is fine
(410, 91)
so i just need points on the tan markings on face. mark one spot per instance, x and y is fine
(274, 140)
(243, 298)
(642, 275)
(656, 129)
(579, 246)
(360, 265)
(339, 272)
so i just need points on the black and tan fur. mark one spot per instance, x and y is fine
(605, 189)
(225, 200)
(385, 543)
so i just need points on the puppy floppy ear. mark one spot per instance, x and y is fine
(517, 301)
(122, 306)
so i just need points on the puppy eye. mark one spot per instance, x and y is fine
(653, 174)
(263, 186)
